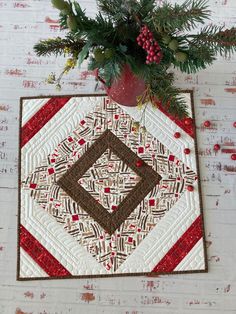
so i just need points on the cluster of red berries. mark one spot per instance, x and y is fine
(147, 42)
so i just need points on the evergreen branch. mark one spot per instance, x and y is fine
(161, 88)
(115, 9)
(63, 21)
(179, 17)
(215, 38)
(57, 46)
(102, 32)
(199, 57)
(109, 69)
(84, 23)
(145, 8)
(129, 10)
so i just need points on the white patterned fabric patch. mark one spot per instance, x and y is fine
(99, 197)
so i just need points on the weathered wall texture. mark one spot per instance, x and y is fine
(22, 23)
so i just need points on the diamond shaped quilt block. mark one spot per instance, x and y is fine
(95, 189)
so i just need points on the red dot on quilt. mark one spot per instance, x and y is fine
(81, 142)
(233, 156)
(75, 217)
(130, 239)
(139, 163)
(234, 124)
(188, 121)
(177, 135)
(187, 151)
(171, 158)
(51, 170)
(207, 124)
(152, 202)
(33, 185)
(190, 188)
(216, 147)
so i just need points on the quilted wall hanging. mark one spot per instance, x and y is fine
(100, 197)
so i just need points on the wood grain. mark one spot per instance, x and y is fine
(22, 23)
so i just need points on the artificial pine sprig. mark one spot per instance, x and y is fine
(170, 18)
(126, 11)
(58, 46)
(216, 38)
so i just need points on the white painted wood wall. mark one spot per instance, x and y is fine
(22, 23)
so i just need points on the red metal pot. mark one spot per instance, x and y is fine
(126, 89)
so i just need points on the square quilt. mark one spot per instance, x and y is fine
(100, 197)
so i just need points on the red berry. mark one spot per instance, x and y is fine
(155, 58)
(177, 135)
(190, 188)
(188, 121)
(187, 151)
(152, 48)
(233, 156)
(207, 124)
(216, 147)
(147, 62)
(139, 163)
(152, 53)
(234, 124)
(150, 35)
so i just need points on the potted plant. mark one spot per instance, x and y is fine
(132, 45)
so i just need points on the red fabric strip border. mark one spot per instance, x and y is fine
(40, 255)
(41, 118)
(181, 248)
(189, 129)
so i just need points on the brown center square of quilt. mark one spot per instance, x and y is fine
(73, 182)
